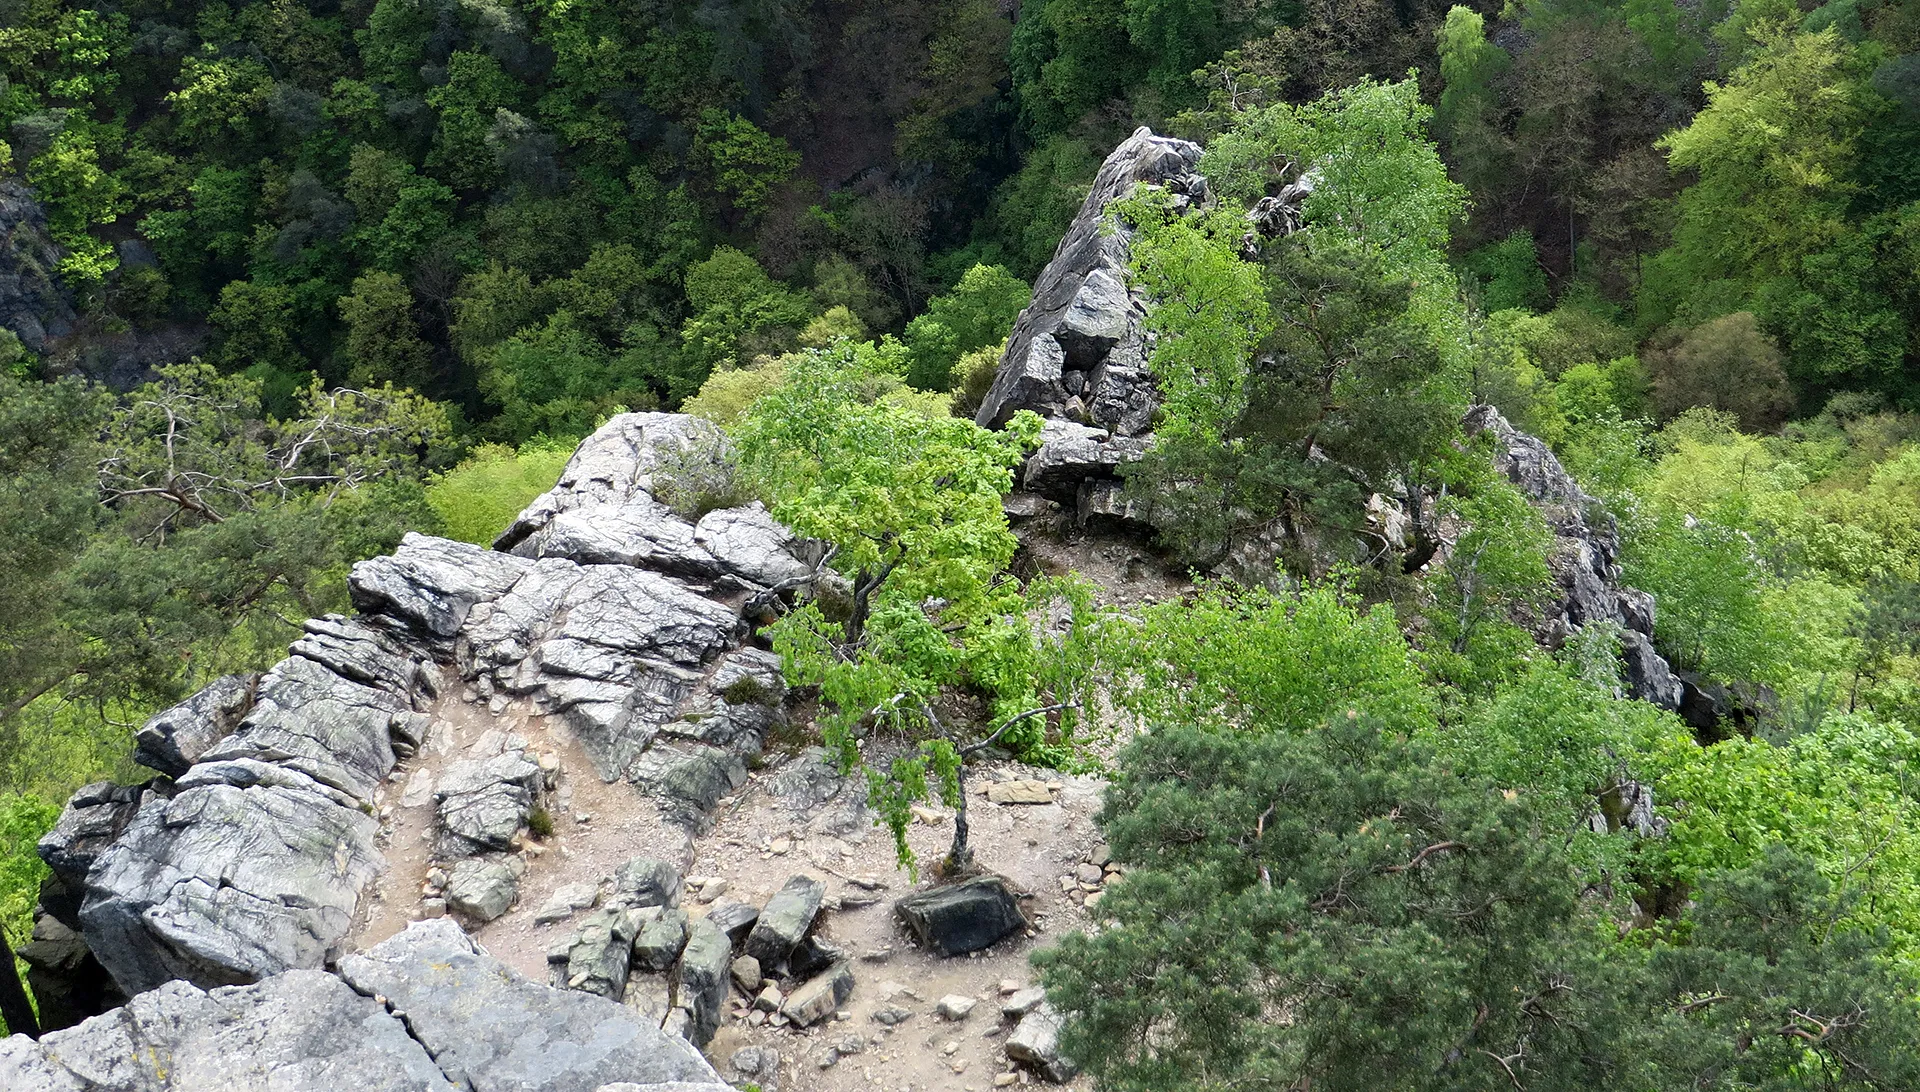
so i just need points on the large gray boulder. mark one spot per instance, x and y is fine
(226, 884)
(301, 1031)
(491, 1030)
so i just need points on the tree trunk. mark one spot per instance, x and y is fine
(15, 1009)
(960, 857)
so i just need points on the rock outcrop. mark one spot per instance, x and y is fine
(1585, 560)
(1078, 353)
(602, 609)
(426, 1011)
(33, 304)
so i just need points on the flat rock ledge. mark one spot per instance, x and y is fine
(426, 1011)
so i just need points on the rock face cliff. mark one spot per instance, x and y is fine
(33, 305)
(426, 1011)
(1078, 353)
(1585, 561)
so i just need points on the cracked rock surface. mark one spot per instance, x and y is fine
(426, 1011)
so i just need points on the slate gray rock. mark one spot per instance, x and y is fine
(662, 936)
(785, 920)
(495, 1031)
(606, 509)
(483, 888)
(427, 586)
(1082, 316)
(67, 983)
(174, 739)
(223, 884)
(93, 818)
(301, 1031)
(483, 802)
(736, 919)
(703, 977)
(965, 917)
(817, 1000)
(602, 951)
(34, 305)
(646, 881)
(689, 779)
(336, 730)
(1585, 557)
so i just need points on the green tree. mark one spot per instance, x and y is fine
(738, 311)
(1416, 930)
(747, 163)
(383, 338)
(909, 497)
(1767, 226)
(978, 313)
(1728, 364)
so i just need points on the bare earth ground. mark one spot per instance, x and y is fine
(756, 843)
(757, 840)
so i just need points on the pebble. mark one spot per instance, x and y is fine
(892, 1015)
(780, 846)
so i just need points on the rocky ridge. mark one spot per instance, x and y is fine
(1078, 358)
(257, 850)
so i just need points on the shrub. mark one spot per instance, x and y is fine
(477, 499)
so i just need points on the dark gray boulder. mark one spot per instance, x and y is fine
(965, 917)
(483, 888)
(492, 1030)
(785, 920)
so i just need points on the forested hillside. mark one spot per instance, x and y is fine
(286, 281)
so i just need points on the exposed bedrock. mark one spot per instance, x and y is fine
(426, 1011)
(253, 855)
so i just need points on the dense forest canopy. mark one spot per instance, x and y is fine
(344, 269)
